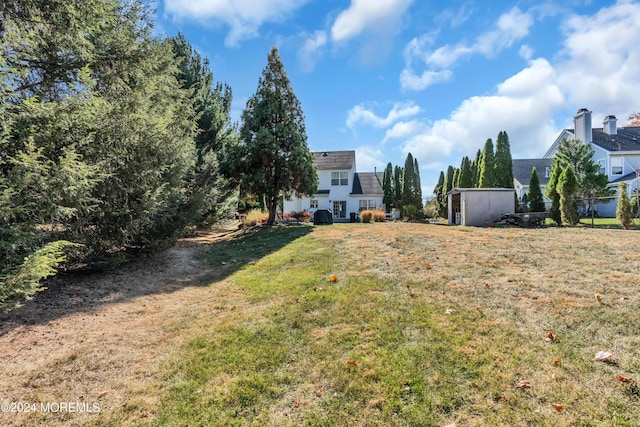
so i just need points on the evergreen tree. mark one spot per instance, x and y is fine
(408, 181)
(417, 198)
(387, 187)
(487, 166)
(475, 169)
(503, 162)
(273, 157)
(437, 191)
(446, 187)
(466, 174)
(624, 212)
(535, 199)
(210, 194)
(397, 186)
(567, 187)
(553, 195)
(456, 178)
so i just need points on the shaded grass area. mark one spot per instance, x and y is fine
(424, 326)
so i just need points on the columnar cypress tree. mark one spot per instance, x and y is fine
(437, 191)
(387, 186)
(567, 187)
(417, 198)
(475, 169)
(624, 212)
(446, 187)
(503, 162)
(397, 187)
(408, 181)
(487, 166)
(466, 174)
(456, 178)
(536, 202)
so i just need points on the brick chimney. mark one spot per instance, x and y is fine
(582, 126)
(610, 125)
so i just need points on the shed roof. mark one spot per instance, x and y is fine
(471, 190)
(336, 160)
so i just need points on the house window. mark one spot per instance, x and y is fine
(616, 166)
(339, 178)
(366, 205)
(313, 204)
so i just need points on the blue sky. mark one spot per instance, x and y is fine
(434, 78)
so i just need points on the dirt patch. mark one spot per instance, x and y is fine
(92, 338)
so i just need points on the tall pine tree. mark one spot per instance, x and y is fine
(536, 201)
(387, 187)
(417, 197)
(273, 157)
(466, 174)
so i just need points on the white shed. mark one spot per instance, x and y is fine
(477, 206)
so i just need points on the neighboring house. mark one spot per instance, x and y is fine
(479, 206)
(522, 171)
(616, 150)
(341, 189)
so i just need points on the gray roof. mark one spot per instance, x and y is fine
(337, 160)
(627, 177)
(522, 170)
(626, 139)
(367, 183)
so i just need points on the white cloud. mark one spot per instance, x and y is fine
(403, 130)
(244, 17)
(523, 106)
(380, 16)
(309, 52)
(399, 111)
(511, 27)
(369, 158)
(601, 60)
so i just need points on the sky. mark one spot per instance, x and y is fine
(432, 78)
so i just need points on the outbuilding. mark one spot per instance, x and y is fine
(479, 206)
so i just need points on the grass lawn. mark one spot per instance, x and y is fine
(425, 325)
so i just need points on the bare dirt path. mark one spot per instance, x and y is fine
(95, 339)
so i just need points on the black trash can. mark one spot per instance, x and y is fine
(352, 217)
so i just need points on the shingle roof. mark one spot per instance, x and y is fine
(367, 183)
(326, 160)
(626, 139)
(522, 170)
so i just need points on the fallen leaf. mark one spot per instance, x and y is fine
(558, 407)
(333, 279)
(296, 403)
(427, 265)
(624, 379)
(103, 393)
(479, 308)
(317, 288)
(275, 301)
(551, 337)
(448, 311)
(604, 356)
(352, 363)
(556, 361)
(493, 264)
(523, 384)
(488, 286)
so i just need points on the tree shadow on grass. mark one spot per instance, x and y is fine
(197, 260)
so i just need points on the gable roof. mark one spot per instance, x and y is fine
(367, 183)
(626, 139)
(334, 160)
(522, 169)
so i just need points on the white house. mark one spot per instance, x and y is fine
(522, 171)
(341, 189)
(616, 150)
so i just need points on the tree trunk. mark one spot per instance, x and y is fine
(272, 205)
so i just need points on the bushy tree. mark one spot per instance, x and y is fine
(487, 166)
(624, 212)
(273, 157)
(552, 193)
(446, 187)
(535, 199)
(567, 187)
